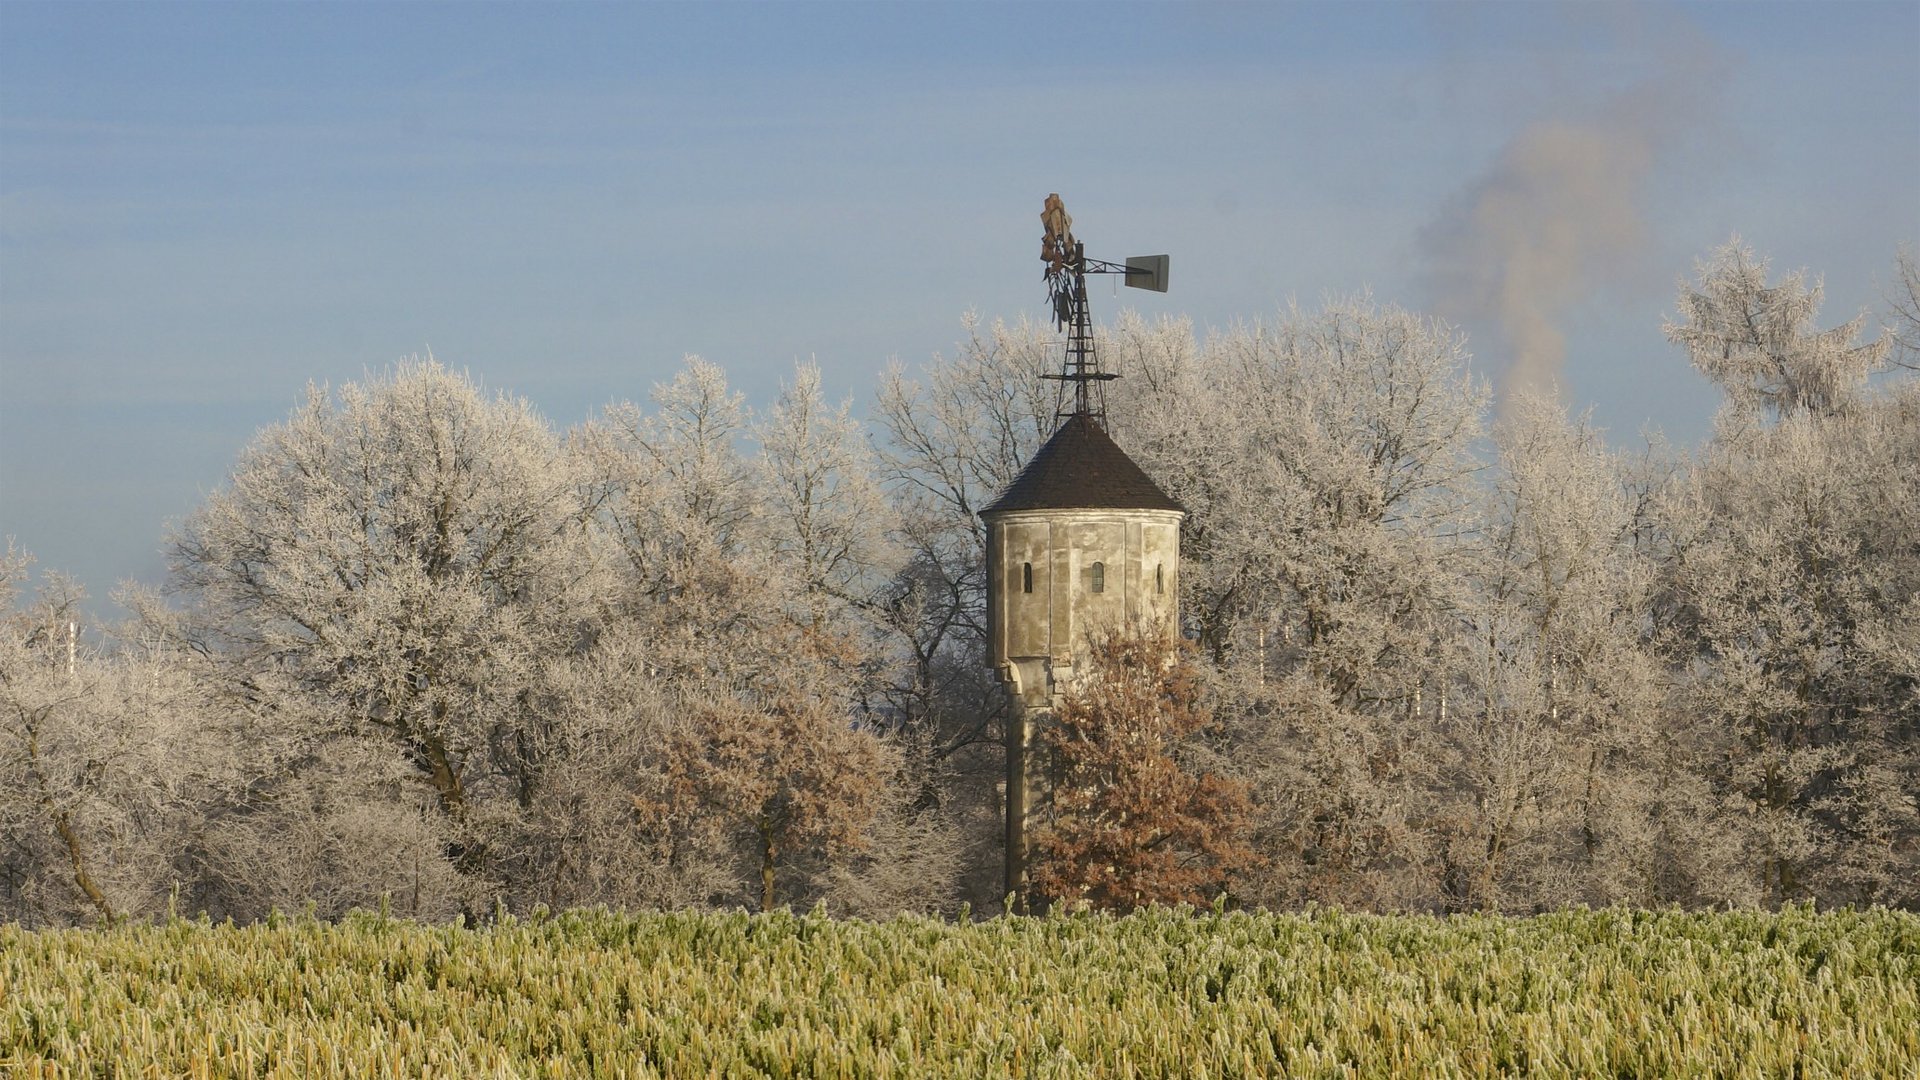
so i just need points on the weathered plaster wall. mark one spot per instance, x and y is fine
(1036, 635)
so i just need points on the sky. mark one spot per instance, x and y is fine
(205, 207)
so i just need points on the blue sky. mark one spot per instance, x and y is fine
(203, 207)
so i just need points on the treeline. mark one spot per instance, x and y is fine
(423, 650)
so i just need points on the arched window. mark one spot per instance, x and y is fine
(1099, 573)
(1160, 579)
(1026, 577)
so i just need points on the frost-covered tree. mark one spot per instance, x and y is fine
(41, 700)
(111, 765)
(1904, 299)
(741, 592)
(1796, 634)
(1329, 438)
(327, 828)
(833, 536)
(1758, 342)
(1566, 780)
(670, 487)
(823, 516)
(45, 758)
(1326, 464)
(389, 566)
(951, 441)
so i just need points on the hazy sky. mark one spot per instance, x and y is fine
(204, 207)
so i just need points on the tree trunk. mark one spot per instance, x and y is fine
(63, 825)
(446, 779)
(467, 857)
(1589, 839)
(80, 875)
(767, 853)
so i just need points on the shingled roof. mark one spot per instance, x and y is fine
(1081, 467)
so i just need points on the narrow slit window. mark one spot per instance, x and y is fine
(1160, 579)
(1026, 577)
(1099, 577)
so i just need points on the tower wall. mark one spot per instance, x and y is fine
(1035, 634)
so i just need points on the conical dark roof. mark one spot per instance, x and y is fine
(1081, 467)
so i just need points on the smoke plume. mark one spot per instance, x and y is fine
(1558, 215)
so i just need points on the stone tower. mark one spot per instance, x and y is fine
(1082, 540)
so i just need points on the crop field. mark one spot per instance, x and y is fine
(1612, 993)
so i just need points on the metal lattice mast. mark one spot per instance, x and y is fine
(1066, 274)
(1081, 369)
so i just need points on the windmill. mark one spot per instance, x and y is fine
(1066, 277)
